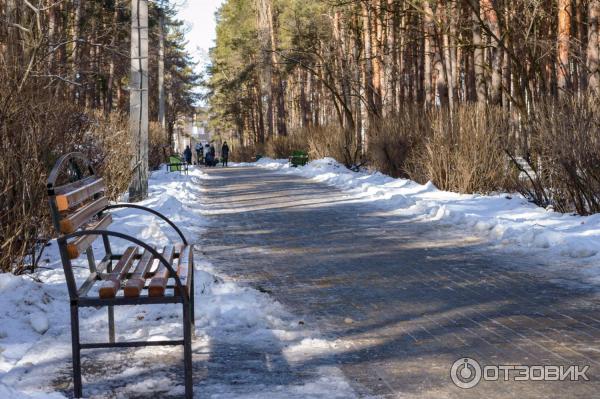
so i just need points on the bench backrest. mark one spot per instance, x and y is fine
(77, 197)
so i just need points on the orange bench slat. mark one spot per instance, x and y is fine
(80, 244)
(158, 283)
(112, 283)
(82, 216)
(77, 195)
(135, 283)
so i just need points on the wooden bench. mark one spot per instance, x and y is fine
(141, 275)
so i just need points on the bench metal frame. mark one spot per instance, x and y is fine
(78, 296)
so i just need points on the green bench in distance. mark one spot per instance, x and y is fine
(298, 158)
(176, 164)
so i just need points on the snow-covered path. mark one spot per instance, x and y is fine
(393, 300)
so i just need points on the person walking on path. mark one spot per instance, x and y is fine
(224, 153)
(187, 154)
(199, 154)
(206, 151)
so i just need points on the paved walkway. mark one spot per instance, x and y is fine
(406, 298)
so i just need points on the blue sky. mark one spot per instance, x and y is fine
(199, 16)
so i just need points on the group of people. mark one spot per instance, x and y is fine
(207, 155)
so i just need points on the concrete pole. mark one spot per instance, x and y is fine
(138, 99)
(161, 70)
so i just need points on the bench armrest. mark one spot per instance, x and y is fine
(152, 211)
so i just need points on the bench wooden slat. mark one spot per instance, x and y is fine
(184, 265)
(82, 216)
(111, 285)
(75, 197)
(68, 187)
(158, 283)
(135, 284)
(79, 245)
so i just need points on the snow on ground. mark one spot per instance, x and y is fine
(35, 349)
(507, 219)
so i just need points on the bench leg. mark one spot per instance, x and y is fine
(187, 352)
(111, 324)
(193, 307)
(77, 389)
(111, 314)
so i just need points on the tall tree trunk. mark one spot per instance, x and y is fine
(445, 52)
(266, 78)
(490, 16)
(368, 55)
(277, 88)
(76, 51)
(563, 38)
(376, 47)
(593, 46)
(478, 62)
(428, 50)
(111, 66)
(52, 25)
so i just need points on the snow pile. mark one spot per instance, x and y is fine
(35, 347)
(8, 392)
(309, 348)
(506, 218)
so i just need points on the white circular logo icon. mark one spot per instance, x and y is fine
(465, 373)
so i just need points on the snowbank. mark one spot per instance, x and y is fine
(35, 348)
(509, 219)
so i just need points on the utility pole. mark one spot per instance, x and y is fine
(138, 99)
(161, 67)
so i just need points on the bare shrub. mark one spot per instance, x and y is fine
(332, 141)
(394, 141)
(319, 142)
(107, 143)
(565, 152)
(464, 153)
(283, 146)
(34, 132)
(158, 146)
(241, 153)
